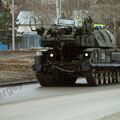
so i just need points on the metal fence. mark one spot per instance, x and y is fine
(28, 41)
(3, 46)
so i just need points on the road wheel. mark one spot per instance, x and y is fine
(48, 80)
(110, 78)
(114, 77)
(40, 78)
(93, 78)
(118, 76)
(106, 78)
(101, 78)
(96, 79)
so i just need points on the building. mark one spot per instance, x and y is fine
(28, 38)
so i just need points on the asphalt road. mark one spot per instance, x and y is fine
(80, 102)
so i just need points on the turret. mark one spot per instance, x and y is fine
(85, 36)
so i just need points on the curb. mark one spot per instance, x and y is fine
(19, 83)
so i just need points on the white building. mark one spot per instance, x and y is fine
(30, 38)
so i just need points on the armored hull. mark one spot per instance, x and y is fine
(70, 52)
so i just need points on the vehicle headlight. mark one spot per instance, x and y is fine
(51, 55)
(39, 53)
(86, 54)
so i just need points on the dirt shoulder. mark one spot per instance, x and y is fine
(16, 67)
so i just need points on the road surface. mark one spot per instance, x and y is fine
(80, 102)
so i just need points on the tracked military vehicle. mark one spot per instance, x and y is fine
(69, 52)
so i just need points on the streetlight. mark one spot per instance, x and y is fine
(13, 25)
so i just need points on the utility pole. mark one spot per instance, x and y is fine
(58, 9)
(13, 25)
(115, 27)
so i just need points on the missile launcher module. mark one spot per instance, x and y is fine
(69, 52)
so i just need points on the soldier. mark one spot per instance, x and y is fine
(88, 22)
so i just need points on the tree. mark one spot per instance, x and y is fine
(43, 10)
(5, 24)
(104, 11)
(6, 20)
(69, 6)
